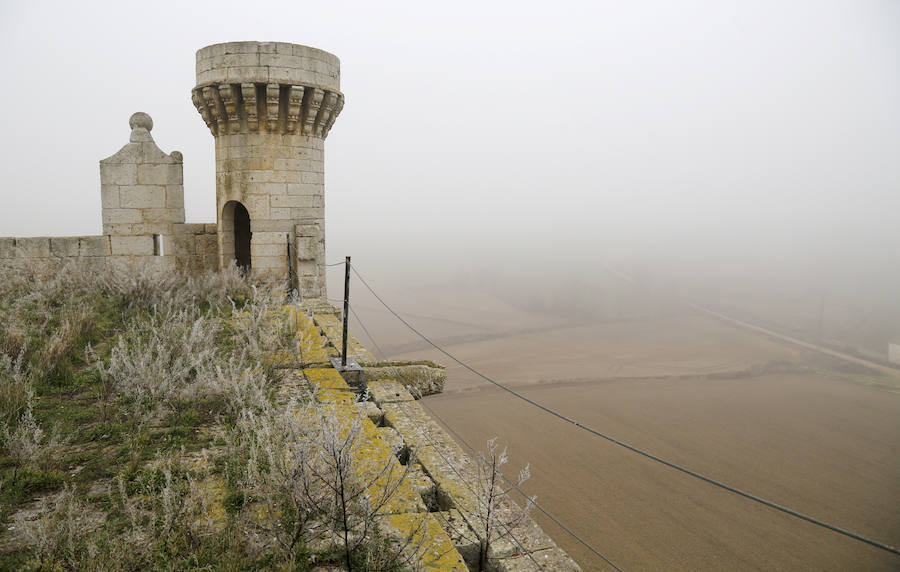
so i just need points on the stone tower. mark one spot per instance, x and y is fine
(270, 106)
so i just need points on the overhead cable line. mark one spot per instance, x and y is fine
(466, 483)
(365, 329)
(500, 474)
(634, 449)
(521, 492)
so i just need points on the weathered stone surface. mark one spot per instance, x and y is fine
(424, 541)
(94, 246)
(390, 436)
(387, 391)
(131, 245)
(419, 379)
(140, 185)
(64, 246)
(33, 247)
(546, 559)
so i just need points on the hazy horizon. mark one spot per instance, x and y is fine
(707, 142)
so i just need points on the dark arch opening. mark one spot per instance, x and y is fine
(242, 237)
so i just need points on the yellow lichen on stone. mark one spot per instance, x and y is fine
(325, 378)
(382, 472)
(424, 540)
(336, 396)
(333, 329)
(315, 346)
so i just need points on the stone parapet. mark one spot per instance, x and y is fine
(268, 62)
(54, 247)
(267, 87)
(437, 469)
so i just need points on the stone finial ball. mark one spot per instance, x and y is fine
(142, 120)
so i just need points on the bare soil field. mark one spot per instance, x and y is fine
(824, 446)
(806, 431)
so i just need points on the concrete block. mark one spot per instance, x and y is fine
(118, 174)
(142, 196)
(93, 246)
(64, 246)
(131, 245)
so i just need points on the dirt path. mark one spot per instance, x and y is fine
(892, 372)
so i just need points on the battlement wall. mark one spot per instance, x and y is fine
(190, 247)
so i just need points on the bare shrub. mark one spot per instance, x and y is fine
(76, 323)
(495, 515)
(28, 444)
(15, 387)
(56, 531)
(302, 465)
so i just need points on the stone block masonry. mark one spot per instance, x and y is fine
(142, 196)
(270, 107)
(437, 496)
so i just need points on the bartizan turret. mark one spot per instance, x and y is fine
(270, 107)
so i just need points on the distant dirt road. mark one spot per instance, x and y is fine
(796, 341)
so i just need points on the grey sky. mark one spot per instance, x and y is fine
(699, 131)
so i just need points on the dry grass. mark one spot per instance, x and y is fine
(178, 449)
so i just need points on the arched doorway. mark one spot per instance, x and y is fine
(236, 236)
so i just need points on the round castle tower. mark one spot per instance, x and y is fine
(270, 106)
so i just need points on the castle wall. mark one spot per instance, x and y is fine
(196, 247)
(90, 250)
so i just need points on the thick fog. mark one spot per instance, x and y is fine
(706, 149)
